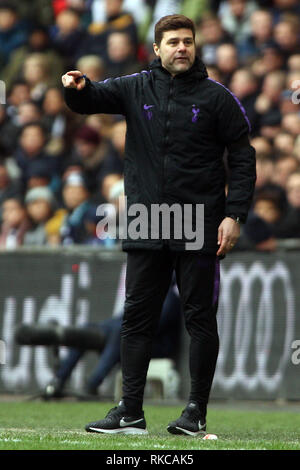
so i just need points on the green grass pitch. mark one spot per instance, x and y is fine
(29, 425)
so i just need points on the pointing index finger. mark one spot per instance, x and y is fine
(74, 73)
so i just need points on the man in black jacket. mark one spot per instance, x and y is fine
(179, 124)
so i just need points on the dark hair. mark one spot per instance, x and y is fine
(8, 5)
(34, 27)
(273, 193)
(170, 23)
(38, 124)
(16, 83)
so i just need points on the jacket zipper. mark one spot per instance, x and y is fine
(167, 133)
(166, 143)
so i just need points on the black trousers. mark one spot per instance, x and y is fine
(148, 279)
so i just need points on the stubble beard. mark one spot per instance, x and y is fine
(175, 70)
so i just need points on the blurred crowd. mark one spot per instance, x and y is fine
(56, 167)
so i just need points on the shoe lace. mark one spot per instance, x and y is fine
(113, 411)
(192, 415)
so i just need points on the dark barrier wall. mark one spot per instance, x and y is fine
(259, 327)
(258, 317)
(70, 286)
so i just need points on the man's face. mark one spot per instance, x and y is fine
(13, 213)
(267, 210)
(74, 196)
(32, 140)
(177, 50)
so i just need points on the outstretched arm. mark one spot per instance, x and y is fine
(86, 97)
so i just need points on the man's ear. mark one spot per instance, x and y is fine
(156, 49)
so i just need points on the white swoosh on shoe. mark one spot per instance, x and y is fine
(129, 423)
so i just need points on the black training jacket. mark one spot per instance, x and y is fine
(177, 132)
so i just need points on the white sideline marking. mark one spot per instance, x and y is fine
(7, 439)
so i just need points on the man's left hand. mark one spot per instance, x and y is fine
(228, 234)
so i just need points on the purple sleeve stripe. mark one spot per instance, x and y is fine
(126, 76)
(237, 100)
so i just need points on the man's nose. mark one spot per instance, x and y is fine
(181, 46)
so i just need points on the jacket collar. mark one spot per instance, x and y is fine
(197, 71)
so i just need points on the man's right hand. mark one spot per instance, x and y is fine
(73, 79)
